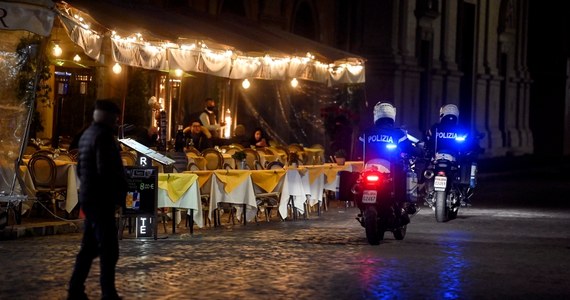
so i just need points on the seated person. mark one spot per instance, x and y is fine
(240, 137)
(197, 136)
(259, 139)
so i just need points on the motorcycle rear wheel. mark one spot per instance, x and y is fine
(400, 233)
(441, 210)
(373, 234)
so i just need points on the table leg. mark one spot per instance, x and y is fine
(173, 220)
(191, 221)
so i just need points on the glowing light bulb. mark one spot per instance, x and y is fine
(77, 58)
(245, 84)
(228, 119)
(117, 68)
(178, 72)
(294, 82)
(57, 51)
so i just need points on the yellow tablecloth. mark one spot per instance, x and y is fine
(176, 184)
(180, 190)
(267, 179)
(203, 176)
(232, 178)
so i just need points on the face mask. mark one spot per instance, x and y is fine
(212, 108)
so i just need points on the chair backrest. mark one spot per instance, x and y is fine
(275, 165)
(250, 157)
(44, 152)
(236, 145)
(282, 150)
(192, 167)
(43, 171)
(214, 159)
(129, 159)
(295, 148)
(258, 165)
(264, 150)
(231, 150)
(193, 150)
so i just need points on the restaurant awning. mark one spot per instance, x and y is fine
(158, 39)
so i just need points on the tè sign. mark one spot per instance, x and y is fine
(144, 226)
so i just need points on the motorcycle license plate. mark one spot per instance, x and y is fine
(369, 197)
(439, 183)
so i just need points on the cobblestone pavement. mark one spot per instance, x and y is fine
(485, 253)
(507, 246)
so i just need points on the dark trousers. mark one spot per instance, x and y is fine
(99, 239)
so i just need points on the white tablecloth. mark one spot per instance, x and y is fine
(242, 194)
(189, 200)
(293, 186)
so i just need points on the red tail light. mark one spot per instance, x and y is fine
(372, 178)
(441, 173)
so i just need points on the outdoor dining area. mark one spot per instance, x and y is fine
(228, 182)
(236, 185)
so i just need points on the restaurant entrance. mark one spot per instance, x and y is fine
(74, 97)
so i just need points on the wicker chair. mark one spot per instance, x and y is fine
(44, 173)
(214, 159)
(251, 156)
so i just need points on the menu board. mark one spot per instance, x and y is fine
(142, 191)
(146, 151)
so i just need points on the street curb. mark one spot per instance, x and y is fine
(12, 232)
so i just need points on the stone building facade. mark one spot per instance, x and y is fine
(421, 54)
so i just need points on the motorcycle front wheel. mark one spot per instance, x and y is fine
(441, 207)
(373, 234)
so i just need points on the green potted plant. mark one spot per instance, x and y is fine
(239, 157)
(293, 159)
(340, 157)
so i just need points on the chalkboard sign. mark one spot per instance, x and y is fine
(142, 191)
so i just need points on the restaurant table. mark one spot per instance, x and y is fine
(331, 171)
(294, 193)
(229, 186)
(181, 190)
(66, 175)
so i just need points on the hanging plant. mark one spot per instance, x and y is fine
(30, 66)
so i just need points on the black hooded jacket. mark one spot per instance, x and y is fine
(103, 183)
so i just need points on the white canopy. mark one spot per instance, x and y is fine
(170, 42)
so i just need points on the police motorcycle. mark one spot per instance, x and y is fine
(450, 180)
(375, 196)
